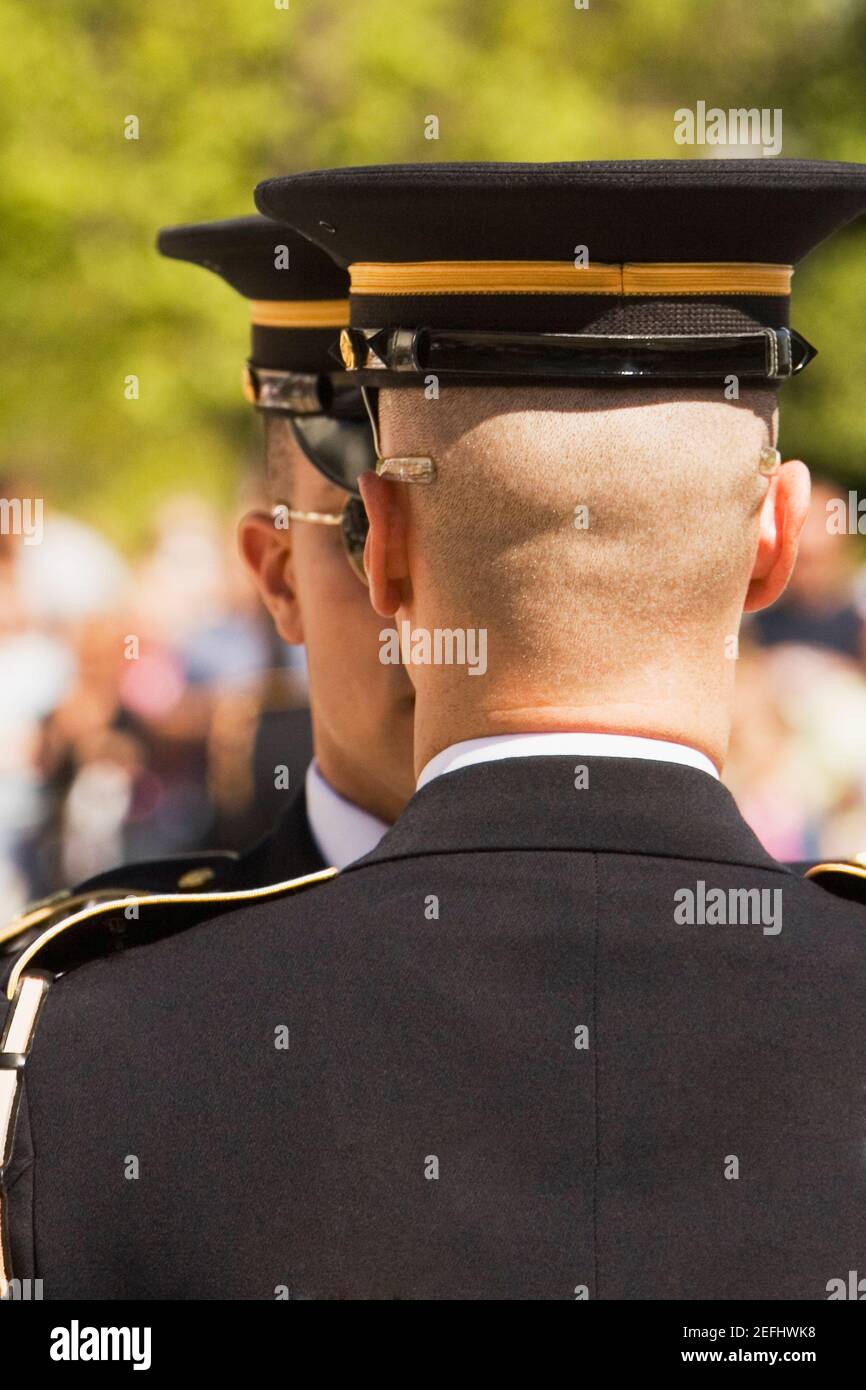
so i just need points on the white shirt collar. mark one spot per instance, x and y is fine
(569, 745)
(343, 832)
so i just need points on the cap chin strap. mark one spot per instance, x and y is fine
(397, 355)
(410, 469)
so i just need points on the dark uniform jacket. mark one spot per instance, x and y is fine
(547, 1041)
(287, 852)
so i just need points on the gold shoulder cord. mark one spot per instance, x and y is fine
(17, 1037)
(27, 992)
(61, 902)
(852, 868)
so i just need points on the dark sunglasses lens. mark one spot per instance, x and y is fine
(354, 531)
(341, 449)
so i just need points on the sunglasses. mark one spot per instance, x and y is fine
(327, 415)
(353, 524)
(341, 449)
(336, 426)
(343, 457)
(331, 426)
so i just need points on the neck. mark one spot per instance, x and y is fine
(358, 782)
(699, 719)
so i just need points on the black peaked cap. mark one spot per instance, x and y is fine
(757, 210)
(675, 247)
(243, 251)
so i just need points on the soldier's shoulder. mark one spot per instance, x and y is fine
(131, 907)
(214, 870)
(89, 928)
(841, 878)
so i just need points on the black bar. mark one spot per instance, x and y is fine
(764, 355)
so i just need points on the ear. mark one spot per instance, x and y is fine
(385, 555)
(267, 553)
(782, 517)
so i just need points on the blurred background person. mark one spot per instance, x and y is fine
(822, 606)
(797, 763)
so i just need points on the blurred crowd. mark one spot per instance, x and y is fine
(145, 707)
(797, 761)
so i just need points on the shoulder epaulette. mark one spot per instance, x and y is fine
(185, 874)
(843, 878)
(97, 928)
(82, 927)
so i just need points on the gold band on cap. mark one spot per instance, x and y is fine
(722, 277)
(563, 277)
(299, 313)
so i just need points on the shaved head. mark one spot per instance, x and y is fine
(606, 540)
(281, 451)
(569, 511)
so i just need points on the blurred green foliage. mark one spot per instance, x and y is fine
(230, 91)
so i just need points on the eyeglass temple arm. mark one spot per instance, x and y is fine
(415, 469)
(323, 518)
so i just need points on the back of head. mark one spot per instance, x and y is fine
(589, 531)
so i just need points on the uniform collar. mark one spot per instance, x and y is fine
(605, 804)
(342, 830)
(579, 745)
